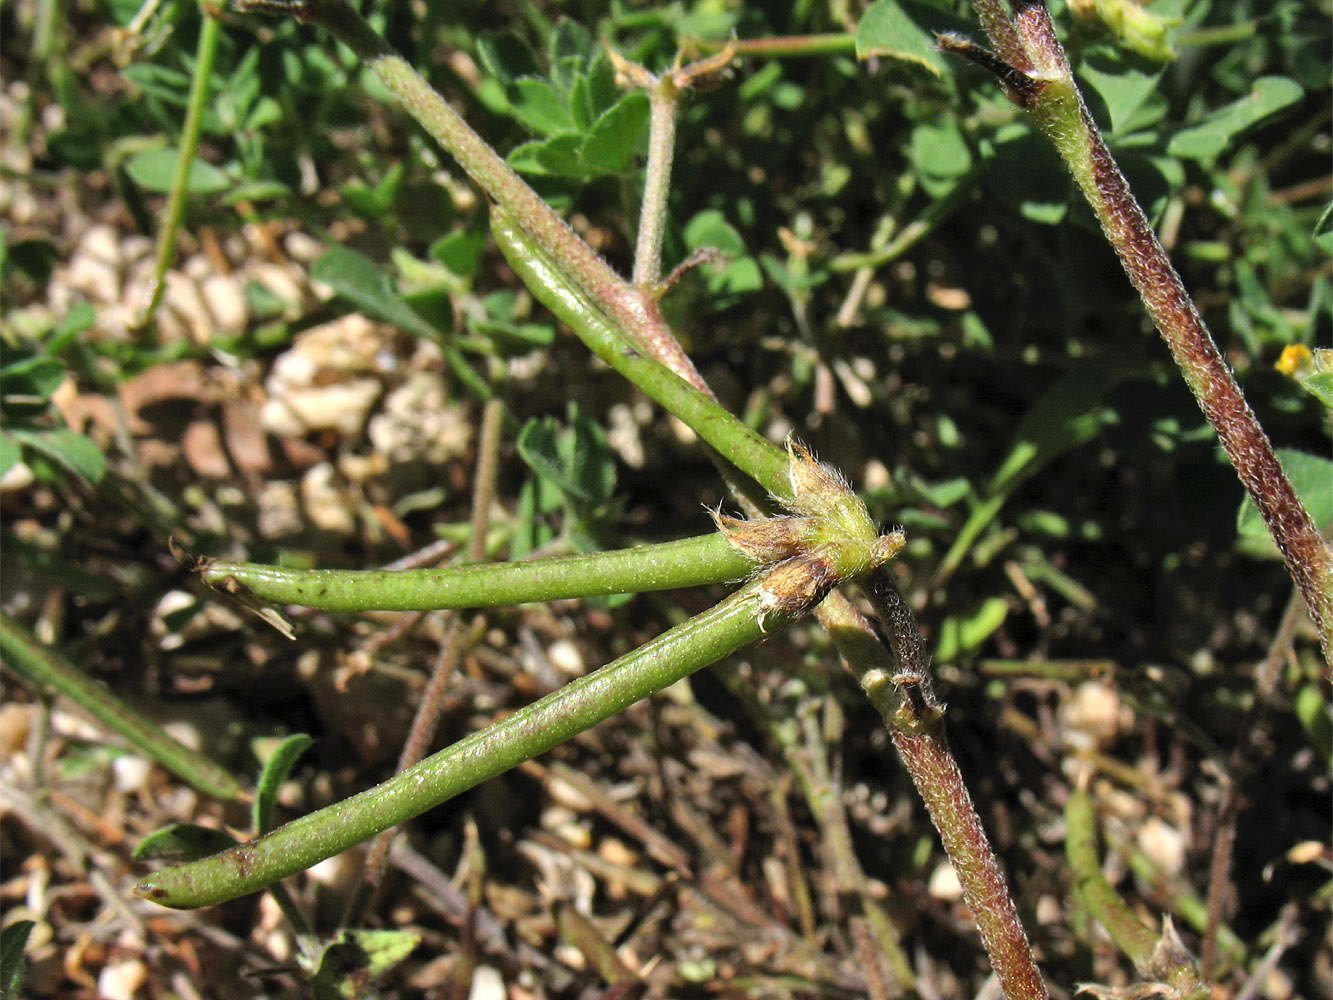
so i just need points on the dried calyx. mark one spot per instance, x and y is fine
(828, 538)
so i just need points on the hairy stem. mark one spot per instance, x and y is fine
(662, 98)
(618, 298)
(916, 722)
(1038, 78)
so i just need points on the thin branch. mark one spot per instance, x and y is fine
(915, 719)
(664, 566)
(1033, 67)
(579, 705)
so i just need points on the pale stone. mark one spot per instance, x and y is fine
(302, 247)
(324, 503)
(944, 883)
(1091, 718)
(17, 477)
(182, 298)
(566, 657)
(226, 301)
(417, 422)
(94, 267)
(564, 794)
(487, 984)
(1164, 845)
(279, 510)
(121, 979)
(623, 435)
(281, 282)
(130, 773)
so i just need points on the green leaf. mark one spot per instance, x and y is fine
(565, 77)
(255, 191)
(13, 939)
(460, 251)
(1131, 94)
(515, 338)
(172, 86)
(275, 772)
(961, 634)
(10, 452)
(616, 135)
(1317, 721)
(601, 91)
(559, 155)
(539, 106)
(66, 448)
(155, 170)
(37, 376)
(710, 228)
(939, 154)
(506, 56)
(539, 442)
(182, 842)
(350, 965)
(1270, 96)
(80, 319)
(737, 273)
(946, 493)
(576, 460)
(1310, 475)
(1323, 230)
(378, 201)
(357, 279)
(1320, 386)
(570, 40)
(1066, 415)
(78, 146)
(905, 30)
(1027, 176)
(266, 112)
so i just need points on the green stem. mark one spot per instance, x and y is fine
(689, 562)
(1129, 933)
(1186, 904)
(982, 515)
(47, 669)
(209, 34)
(911, 234)
(761, 460)
(577, 706)
(1144, 947)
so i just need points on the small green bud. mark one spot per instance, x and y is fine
(828, 538)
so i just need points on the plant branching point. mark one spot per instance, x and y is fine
(664, 92)
(827, 538)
